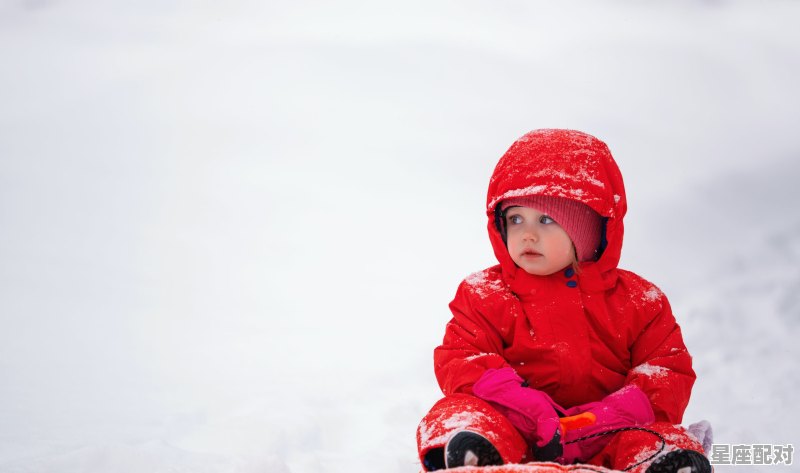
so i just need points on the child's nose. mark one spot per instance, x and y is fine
(530, 234)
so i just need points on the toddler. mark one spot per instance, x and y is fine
(555, 354)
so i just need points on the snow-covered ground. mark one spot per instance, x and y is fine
(229, 232)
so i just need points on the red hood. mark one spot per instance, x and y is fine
(561, 163)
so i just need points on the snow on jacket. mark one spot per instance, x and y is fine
(577, 337)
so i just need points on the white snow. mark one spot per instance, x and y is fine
(229, 232)
(483, 284)
(651, 371)
(454, 423)
(530, 190)
(479, 355)
(554, 191)
(652, 294)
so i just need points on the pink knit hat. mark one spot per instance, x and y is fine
(583, 225)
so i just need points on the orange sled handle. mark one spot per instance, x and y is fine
(576, 422)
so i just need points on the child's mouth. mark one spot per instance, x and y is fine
(530, 253)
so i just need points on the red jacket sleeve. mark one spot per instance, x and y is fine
(471, 345)
(661, 365)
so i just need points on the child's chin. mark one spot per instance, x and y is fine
(536, 271)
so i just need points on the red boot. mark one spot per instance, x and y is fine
(462, 412)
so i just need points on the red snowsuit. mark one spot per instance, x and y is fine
(577, 337)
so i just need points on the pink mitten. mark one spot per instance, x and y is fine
(531, 411)
(627, 407)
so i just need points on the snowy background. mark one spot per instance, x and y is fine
(229, 231)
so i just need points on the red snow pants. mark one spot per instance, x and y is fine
(459, 412)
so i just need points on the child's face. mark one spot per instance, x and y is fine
(536, 242)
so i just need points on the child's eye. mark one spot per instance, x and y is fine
(545, 219)
(515, 219)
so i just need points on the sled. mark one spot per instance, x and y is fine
(533, 467)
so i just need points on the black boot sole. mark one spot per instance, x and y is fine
(679, 461)
(471, 449)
